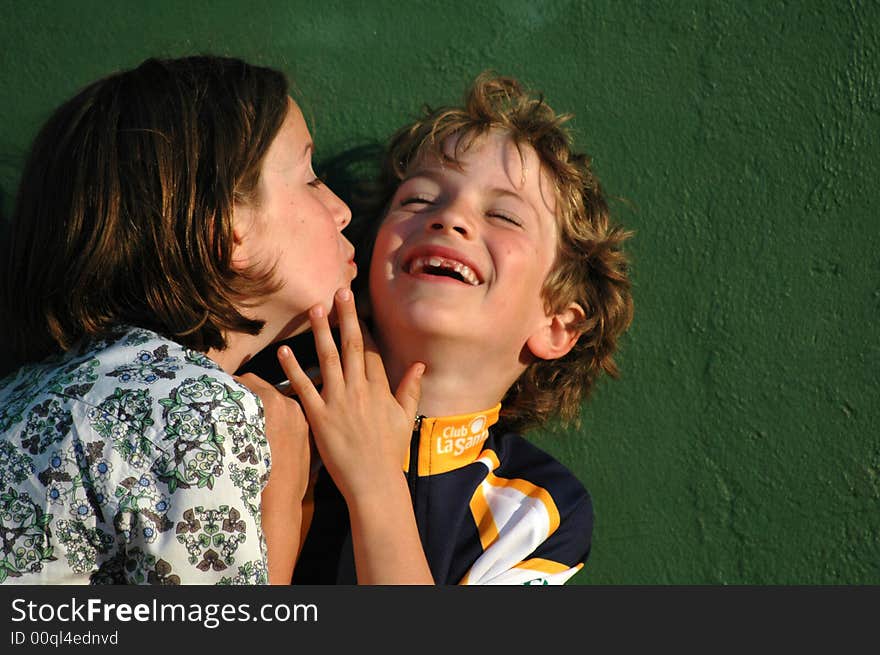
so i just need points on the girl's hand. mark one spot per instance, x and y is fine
(362, 431)
(281, 500)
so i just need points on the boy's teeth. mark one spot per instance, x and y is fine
(420, 264)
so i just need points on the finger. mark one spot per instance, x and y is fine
(350, 336)
(325, 347)
(409, 391)
(308, 395)
(373, 365)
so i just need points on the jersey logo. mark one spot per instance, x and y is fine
(458, 439)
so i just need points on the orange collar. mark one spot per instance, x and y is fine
(450, 442)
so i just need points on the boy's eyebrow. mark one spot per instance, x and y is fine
(310, 146)
(430, 173)
(500, 191)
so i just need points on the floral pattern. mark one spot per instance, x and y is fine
(24, 533)
(211, 536)
(83, 545)
(47, 424)
(123, 418)
(247, 574)
(198, 447)
(16, 397)
(130, 460)
(137, 567)
(148, 367)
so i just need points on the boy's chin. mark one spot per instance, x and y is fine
(426, 326)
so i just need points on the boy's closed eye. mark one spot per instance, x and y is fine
(505, 216)
(421, 199)
(418, 189)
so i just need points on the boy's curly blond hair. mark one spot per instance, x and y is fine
(590, 267)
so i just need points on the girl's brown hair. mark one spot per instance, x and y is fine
(124, 210)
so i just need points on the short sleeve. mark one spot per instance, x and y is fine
(193, 517)
(531, 547)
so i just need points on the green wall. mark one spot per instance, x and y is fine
(741, 444)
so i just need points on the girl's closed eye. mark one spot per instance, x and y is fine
(317, 181)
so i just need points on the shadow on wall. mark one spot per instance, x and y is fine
(5, 357)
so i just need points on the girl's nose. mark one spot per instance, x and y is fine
(340, 211)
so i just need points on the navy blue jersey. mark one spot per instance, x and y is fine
(491, 508)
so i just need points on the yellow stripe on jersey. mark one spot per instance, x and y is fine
(546, 566)
(493, 502)
(530, 572)
(482, 514)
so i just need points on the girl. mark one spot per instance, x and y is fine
(168, 226)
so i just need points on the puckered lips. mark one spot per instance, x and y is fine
(350, 259)
(441, 263)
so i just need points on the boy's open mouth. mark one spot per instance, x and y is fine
(443, 267)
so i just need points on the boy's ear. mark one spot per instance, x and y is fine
(558, 335)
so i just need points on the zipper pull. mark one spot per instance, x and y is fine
(413, 473)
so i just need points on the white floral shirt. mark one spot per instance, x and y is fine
(132, 460)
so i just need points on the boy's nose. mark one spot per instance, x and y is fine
(450, 221)
(440, 226)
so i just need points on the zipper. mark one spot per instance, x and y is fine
(413, 473)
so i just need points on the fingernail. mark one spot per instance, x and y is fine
(344, 294)
(284, 351)
(318, 311)
(420, 369)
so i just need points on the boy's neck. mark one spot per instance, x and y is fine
(240, 346)
(459, 378)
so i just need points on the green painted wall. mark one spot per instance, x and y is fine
(742, 444)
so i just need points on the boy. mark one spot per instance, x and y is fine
(494, 265)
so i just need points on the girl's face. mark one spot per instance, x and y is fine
(297, 223)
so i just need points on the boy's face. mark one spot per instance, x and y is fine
(463, 254)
